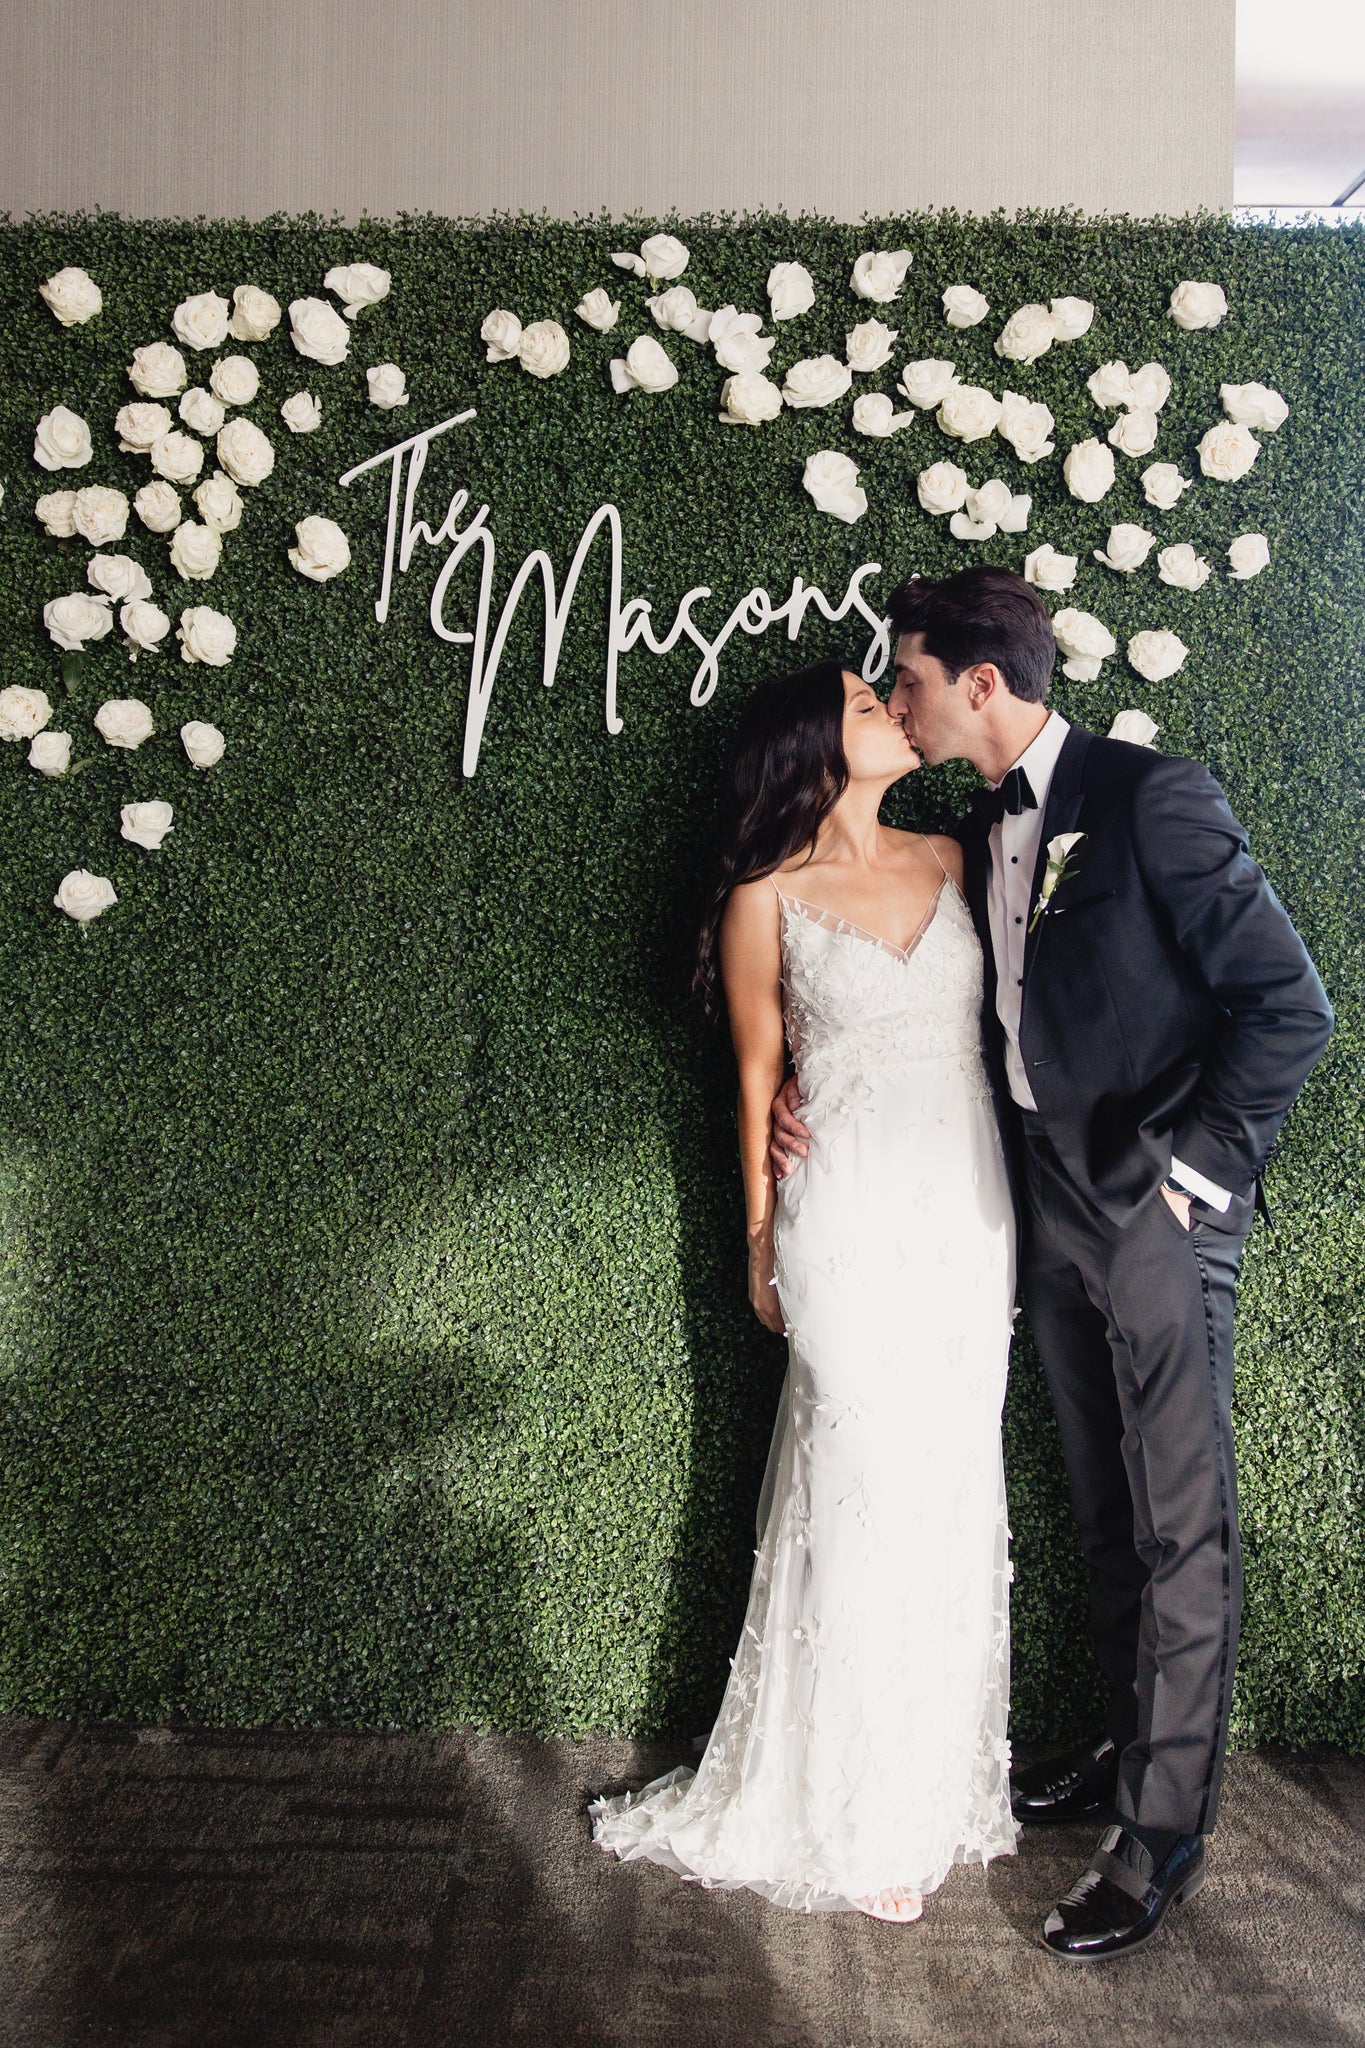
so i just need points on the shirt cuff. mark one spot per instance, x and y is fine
(1195, 1183)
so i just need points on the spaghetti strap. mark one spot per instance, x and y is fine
(933, 849)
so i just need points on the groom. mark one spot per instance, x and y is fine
(1150, 1014)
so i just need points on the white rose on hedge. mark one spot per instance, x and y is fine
(1149, 387)
(318, 331)
(941, 488)
(879, 274)
(1162, 484)
(1197, 305)
(819, 380)
(23, 712)
(664, 258)
(244, 452)
(1085, 643)
(62, 440)
(927, 383)
(1254, 405)
(868, 345)
(157, 371)
(1248, 555)
(1026, 335)
(968, 412)
(50, 753)
(832, 480)
(201, 411)
(646, 366)
(100, 515)
(990, 509)
(1048, 570)
(1134, 433)
(1134, 726)
(543, 348)
(219, 503)
(302, 413)
(146, 824)
(677, 312)
(1227, 451)
(359, 284)
(1126, 549)
(139, 425)
(206, 635)
(1071, 318)
(124, 722)
(145, 626)
(1089, 471)
(83, 895)
(963, 306)
(502, 331)
(598, 309)
(56, 510)
(387, 386)
(201, 321)
(791, 290)
(750, 399)
(195, 551)
(235, 380)
(1026, 425)
(117, 577)
(1156, 655)
(323, 550)
(72, 296)
(1110, 386)
(737, 341)
(626, 259)
(875, 416)
(158, 507)
(203, 743)
(255, 314)
(1182, 568)
(177, 457)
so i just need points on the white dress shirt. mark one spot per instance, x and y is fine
(1014, 841)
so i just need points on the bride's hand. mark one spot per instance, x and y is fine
(763, 1289)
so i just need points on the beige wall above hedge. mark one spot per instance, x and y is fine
(177, 107)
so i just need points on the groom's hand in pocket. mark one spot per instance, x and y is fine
(790, 1139)
(1179, 1206)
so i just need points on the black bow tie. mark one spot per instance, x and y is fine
(1014, 794)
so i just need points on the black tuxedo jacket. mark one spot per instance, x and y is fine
(1169, 1006)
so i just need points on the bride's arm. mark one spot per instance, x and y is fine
(751, 970)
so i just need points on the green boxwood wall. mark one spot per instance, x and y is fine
(375, 1347)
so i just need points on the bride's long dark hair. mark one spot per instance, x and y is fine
(785, 772)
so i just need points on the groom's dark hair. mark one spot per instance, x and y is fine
(981, 614)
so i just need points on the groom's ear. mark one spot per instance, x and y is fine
(984, 684)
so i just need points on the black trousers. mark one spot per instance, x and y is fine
(1134, 1327)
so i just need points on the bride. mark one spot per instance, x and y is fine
(860, 1750)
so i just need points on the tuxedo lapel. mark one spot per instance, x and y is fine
(1065, 798)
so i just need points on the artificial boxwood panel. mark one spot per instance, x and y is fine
(374, 1332)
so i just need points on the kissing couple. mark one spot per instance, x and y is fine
(1051, 1052)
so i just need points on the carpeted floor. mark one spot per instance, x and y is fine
(250, 1889)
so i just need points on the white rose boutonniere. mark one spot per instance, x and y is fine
(749, 399)
(737, 341)
(234, 380)
(832, 480)
(941, 488)
(968, 413)
(219, 503)
(124, 722)
(1157, 655)
(255, 314)
(1162, 484)
(1195, 305)
(201, 321)
(117, 577)
(543, 350)
(646, 366)
(1248, 555)
(963, 306)
(206, 635)
(50, 753)
(820, 380)
(1026, 426)
(203, 743)
(1047, 570)
(157, 371)
(927, 383)
(791, 290)
(158, 507)
(62, 440)
(100, 515)
(146, 824)
(1126, 549)
(1254, 405)
(1026, 335)
(1134, 433)
(597, 309)
(23, 712)
(868, 345)
(1089, 471)
(302, 413)
(1182, 568)
(1084, 641)
(1060, 866)
(677, 312)
(875, 416)
(178, 457)
(879, 274)
(1134, 726)
(1227, 451)
(387, 386)
(201, 411)
(83, 895)
(244, 452)
(72, 296)
(139, 426)
(145, 626)
(358, 284)
(1071, 318)
(323, 550)
(57, 512)
(195, 552)
(318, 331)
(502, 332)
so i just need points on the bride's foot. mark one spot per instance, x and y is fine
(891, 1905)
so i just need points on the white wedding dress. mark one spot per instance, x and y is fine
(861, 1742)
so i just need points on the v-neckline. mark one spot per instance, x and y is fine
(846, 926)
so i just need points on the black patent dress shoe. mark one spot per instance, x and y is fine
(1073, 1786)
(1118, 1904)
